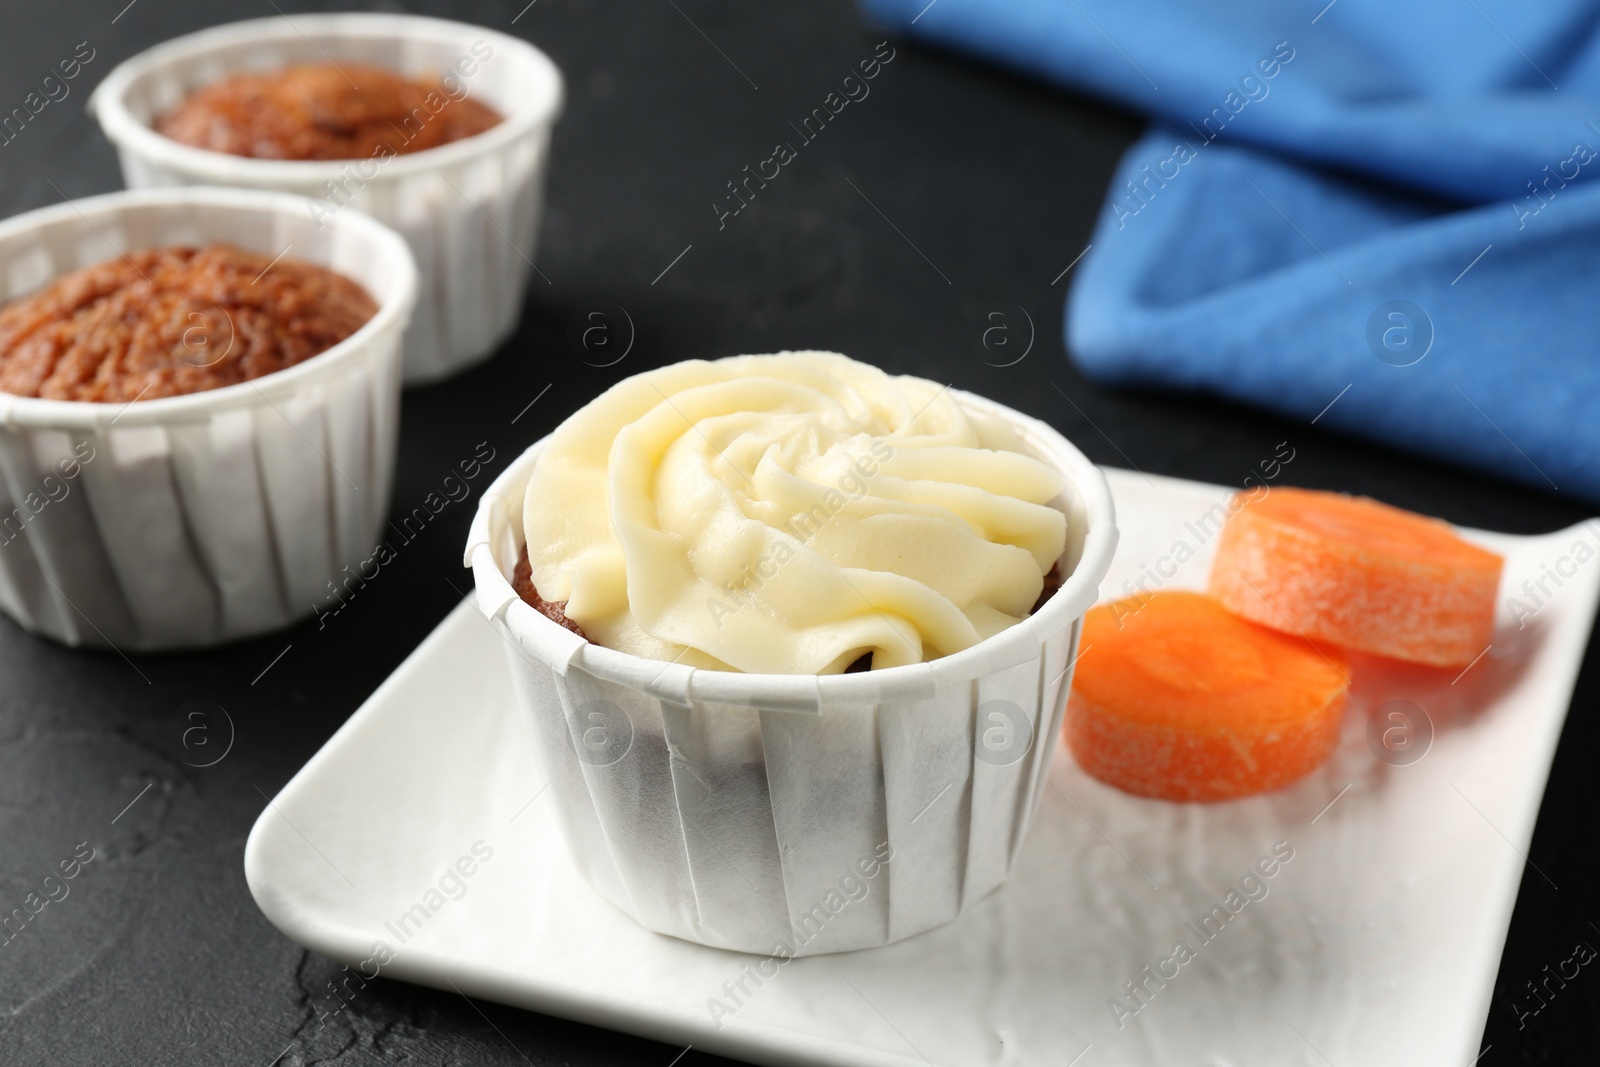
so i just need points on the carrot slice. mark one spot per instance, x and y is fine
(1358, 573)
(1176, 698)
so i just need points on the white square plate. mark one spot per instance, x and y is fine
(1376, 944)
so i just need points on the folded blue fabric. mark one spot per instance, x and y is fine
(1383, 208)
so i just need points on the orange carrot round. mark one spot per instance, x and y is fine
(1174, 697)
(1359, 574)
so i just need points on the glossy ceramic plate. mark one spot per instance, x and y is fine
(418, 845)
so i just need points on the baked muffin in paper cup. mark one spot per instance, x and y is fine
(190, 520)
(470, 208)
(791, 814)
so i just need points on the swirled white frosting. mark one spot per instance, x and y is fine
(787, 514)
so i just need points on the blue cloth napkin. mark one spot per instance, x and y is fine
(1381, 217)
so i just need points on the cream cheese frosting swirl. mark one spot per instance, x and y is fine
(788, 514)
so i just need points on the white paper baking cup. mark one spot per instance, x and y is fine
(744, 811)
(216, 515)
(470, 209)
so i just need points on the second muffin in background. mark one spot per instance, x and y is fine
(254, 467)
(312, 111)
(469, 207)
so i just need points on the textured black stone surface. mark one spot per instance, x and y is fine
(158, 955)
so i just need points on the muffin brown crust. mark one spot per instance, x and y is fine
(1052, 582)
(348, 111)
(522, 583)
(168, 321)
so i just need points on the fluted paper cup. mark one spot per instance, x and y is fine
(792, 815)
(191, 520)
(470, 208)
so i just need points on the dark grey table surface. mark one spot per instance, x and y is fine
(158, 955)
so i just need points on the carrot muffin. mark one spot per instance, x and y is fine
(325, 112)
(168, 321)
(798, 513)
